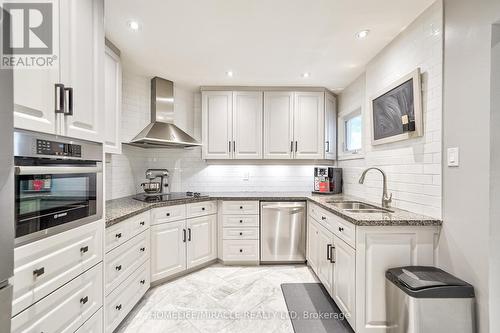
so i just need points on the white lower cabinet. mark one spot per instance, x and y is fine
(127, 267)
(177, 245)
(94, 325)
(168, 255)
(202, 240)
(124, 297)
(124, 260)
(66, 309)
(240, 232)
(325, 266)
(344, 279)
(43, 266)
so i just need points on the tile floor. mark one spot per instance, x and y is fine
(219, 299)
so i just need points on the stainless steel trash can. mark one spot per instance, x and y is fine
(421, 299)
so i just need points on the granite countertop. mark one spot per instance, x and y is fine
(120, 209)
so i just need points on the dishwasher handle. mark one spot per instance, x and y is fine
(283, 207)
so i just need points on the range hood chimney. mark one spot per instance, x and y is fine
(160, 134)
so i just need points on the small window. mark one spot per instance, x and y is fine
(352, 133)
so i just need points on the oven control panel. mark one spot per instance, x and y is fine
(46, 147)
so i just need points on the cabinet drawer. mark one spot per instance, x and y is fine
(66, 309)
(168, 214)
(43, 266)
(116, 235)
(240, 221)
(122, 299)
(241, 233)
(137, 224)
(125, 259)
(324, 217)
(345, 231)
(94, 324)
(201, 208)
(240, 207)
(240, 250)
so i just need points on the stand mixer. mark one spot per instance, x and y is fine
(155, 188)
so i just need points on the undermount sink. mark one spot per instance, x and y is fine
(358, 207)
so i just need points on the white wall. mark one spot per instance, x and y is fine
(413, 166)
(494, 275)
(188, 172)
(464, 240)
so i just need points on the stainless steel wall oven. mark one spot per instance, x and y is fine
(58, 184)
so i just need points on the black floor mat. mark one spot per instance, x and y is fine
(312, 310)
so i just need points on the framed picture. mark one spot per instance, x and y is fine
(396, 112)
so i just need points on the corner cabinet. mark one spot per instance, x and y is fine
(277, 125)
(81, 65)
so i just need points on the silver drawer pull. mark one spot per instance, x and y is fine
(84, 300)
(118, 235)
(118, 307)
(84, 249)
(142, 223)
(118, 268)
(142, 249)
(142, 281)
(341, 229)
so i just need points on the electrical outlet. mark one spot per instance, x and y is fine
(246, 176)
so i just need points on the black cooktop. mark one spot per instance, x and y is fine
(145, 197)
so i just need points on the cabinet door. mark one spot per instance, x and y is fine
(202, 240)
(247, 124)
(312, 244)
(82, 67)
(168, 249)
(344, 278)
(324, 265)
(308, 125)
(217, 124)
(330, 127)
(112, 102)
(278, 125)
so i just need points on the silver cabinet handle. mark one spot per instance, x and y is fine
(291, 146)
(189, 234)
(59, 98)
(296, 144)
(328, 252)
(333, 257)
(328, 146)
(234, 146)
(229, 149)
(184, 235)
(69, 92)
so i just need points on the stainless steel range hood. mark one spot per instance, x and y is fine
(160, 134)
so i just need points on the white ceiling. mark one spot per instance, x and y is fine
(264, 42)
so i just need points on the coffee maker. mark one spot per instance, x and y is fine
(327, 180)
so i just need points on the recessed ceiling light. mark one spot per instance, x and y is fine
(229, 73)
(362, 34)
(306, 74)
(133, 25)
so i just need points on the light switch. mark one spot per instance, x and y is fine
(453, 158)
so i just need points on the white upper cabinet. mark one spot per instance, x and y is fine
(112, 101)
(270, 125)
(217, 111)
(330, 127)
(82, 64)
(247, 125)
(308, 125)
(278, 125)
(75, 106)
(34, 99)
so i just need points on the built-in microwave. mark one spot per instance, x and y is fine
(58, 184)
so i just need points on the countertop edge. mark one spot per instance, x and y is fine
(358, 222)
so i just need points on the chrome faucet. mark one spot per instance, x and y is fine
(386, 199)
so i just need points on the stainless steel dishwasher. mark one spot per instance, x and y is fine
(282, 232)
